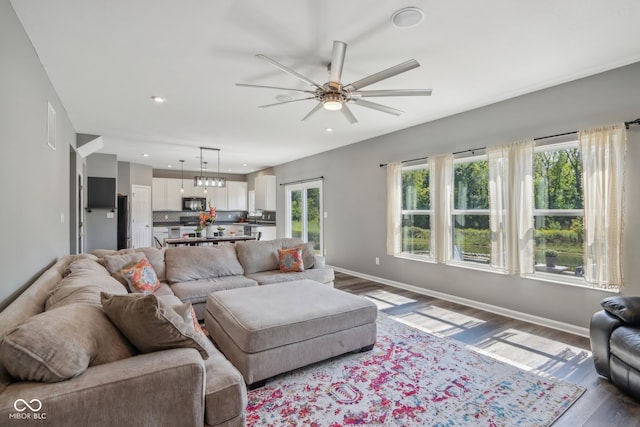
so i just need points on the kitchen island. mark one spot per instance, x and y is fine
(200, 241)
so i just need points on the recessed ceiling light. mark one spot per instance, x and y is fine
(328, 129)
(145, 155)
(159, 99)
(408, 17)
(244, 164)
(169, 166)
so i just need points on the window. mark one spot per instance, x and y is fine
(558, 213)
(416, 211)
(471, 234)
(519, 209)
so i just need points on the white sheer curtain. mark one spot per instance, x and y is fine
(603, 151)
(441, 189)
(394, 206)
(511, 206)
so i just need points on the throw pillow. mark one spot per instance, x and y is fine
(141, 277)
(188, 314)
(115, 263)
(151, 324)
(62, 343)
(626, 309)
(290, 260)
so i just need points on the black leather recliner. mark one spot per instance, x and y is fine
(615, 342)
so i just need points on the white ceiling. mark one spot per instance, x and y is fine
(107, 58)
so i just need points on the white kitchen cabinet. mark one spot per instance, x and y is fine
(267, 232)
(217, 197)
(236, 196)
(161, 233)
(265, 188)
(174, 196)
(165, 194)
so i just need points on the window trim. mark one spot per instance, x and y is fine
(403, 212)
(553, 277)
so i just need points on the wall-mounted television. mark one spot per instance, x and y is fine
(101, 193)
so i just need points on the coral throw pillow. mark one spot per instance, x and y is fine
(290, 259)
(141, 277)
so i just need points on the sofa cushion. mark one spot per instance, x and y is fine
(201, 262)
(141, 277)
(322, 275)
(83, 286)
(196, 291)
(308, 251)
(261, 255)
(625, 345)
(290, 260)
(152, 325)
(86, 264)
(116, 263)
(62, 343)
(626, 309)
(225, 391)
(156, 258)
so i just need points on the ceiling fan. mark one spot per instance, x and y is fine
(333, 95)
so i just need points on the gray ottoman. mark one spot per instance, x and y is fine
(271, 329)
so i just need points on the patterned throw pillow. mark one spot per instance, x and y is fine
(290, 260)
(141, 277)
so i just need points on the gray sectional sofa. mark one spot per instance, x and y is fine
(61, 354)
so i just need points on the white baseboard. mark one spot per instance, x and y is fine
(543, 321)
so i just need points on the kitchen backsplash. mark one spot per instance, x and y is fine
(174, 216)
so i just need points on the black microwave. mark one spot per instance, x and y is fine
(194, 203)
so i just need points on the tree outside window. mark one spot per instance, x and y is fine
(471, 233)
(416, 211)
(558, 214)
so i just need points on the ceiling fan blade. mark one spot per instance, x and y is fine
(346, 112)
(312, 112)
(378, 107)
(392, 92)
(289, 70)
(337, 62)
(286, 102)
(381, 75)
(274, 87)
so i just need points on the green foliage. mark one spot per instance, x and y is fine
(551, 253)
(557, 179)
(416, 194)
(471, 185)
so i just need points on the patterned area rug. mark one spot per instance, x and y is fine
(411, 378)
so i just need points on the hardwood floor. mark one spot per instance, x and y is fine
(523, 344)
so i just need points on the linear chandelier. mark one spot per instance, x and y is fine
(206, 181)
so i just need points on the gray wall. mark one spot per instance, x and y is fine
(101, 224)
(354, 192)
(34, 179)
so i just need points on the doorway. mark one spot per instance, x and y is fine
(141, 222)
(304, 213)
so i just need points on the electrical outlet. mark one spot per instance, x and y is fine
(377, 261)
(325, 251)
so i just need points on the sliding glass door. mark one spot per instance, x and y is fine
(304, 212)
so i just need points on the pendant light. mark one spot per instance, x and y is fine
(182, 176)
(203, 180)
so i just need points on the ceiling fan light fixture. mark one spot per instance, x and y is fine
(332, 105)
(332, 101)
(407, 17)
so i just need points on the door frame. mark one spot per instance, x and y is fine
(288, 189)
(134, 187)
